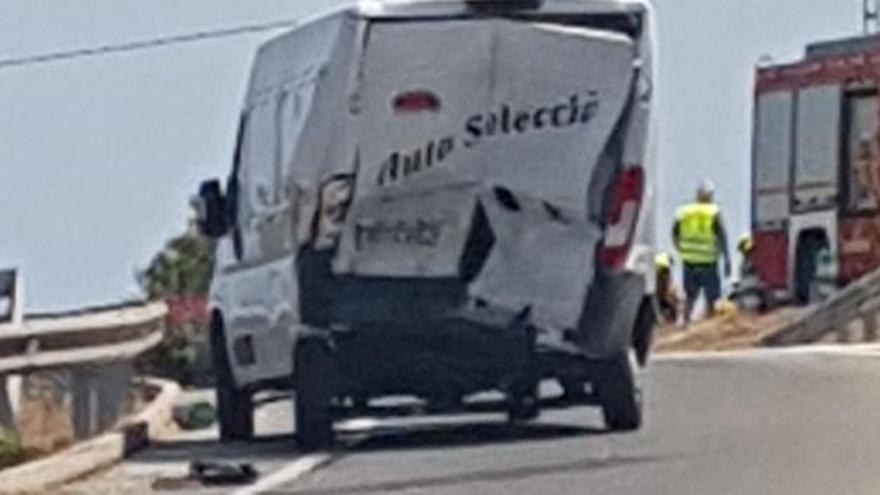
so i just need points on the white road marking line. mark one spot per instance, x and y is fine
(306, 464)
(292, 471)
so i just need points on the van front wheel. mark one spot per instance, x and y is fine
(235, 408)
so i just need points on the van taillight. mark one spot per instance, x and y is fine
(333, 203)
(622, 216)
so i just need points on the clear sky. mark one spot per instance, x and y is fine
(98, 156)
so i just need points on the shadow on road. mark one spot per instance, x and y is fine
(269, 447)
(433, 435)
(454, 435)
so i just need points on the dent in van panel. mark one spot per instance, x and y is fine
(543, 258)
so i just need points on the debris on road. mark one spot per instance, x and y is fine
(216, 473)
(203, 474)
(195, 416)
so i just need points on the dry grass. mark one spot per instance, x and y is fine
(44, 421)
(732, 330)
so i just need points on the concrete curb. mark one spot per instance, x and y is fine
(155, 421)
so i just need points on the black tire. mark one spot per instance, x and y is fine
(619, 393)
(643, 332)
(313, 393)
(523, 404)
(235, 408)
(806, 268)
(805, 272)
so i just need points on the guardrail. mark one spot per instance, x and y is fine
(833, 318)
(88, 337)
(67, 376)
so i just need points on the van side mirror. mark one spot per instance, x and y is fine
(210, 207)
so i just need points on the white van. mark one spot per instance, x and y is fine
(439, 198)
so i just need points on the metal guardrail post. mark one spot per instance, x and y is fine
(7, 417)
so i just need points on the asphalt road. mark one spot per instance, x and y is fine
(804, 422)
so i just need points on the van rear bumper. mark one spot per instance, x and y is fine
(385, 309)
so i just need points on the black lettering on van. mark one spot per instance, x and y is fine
(505, 119)
(574, 106)
(591, 108)
(393, 165)
(429, 155)
(388, 170)
(539, 118)
(447, 146)
(403, 164)
(521, 123)
(491, 125)
(474, 130)
(412, 163)
(557, 115)
(502, 121)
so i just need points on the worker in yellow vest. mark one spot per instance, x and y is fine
(667, 295)
(700, 238)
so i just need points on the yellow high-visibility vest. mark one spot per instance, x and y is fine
(696, 233)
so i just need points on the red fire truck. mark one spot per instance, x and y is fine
(816, 150)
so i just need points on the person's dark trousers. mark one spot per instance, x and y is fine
(702, 278)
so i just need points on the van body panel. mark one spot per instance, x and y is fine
(504, 116)
(418, 232)
(299, 85)
(543, 261)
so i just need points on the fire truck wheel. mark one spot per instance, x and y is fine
(806, 269)
(620, 394)
(235, 408)
(313, 394)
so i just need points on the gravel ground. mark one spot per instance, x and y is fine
(732, 330)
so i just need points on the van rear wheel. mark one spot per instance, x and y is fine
(235, 408)
(620, 394)
(523, 403)
(313, 393)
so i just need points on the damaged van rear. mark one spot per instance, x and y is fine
(436, 199)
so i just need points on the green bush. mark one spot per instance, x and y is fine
(184, 356)
(182, 268)
(11, 451)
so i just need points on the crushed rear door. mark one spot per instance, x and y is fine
(509, 115)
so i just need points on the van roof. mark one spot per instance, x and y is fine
(380, 9)
(280, 46)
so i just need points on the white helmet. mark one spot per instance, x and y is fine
(706, 188)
